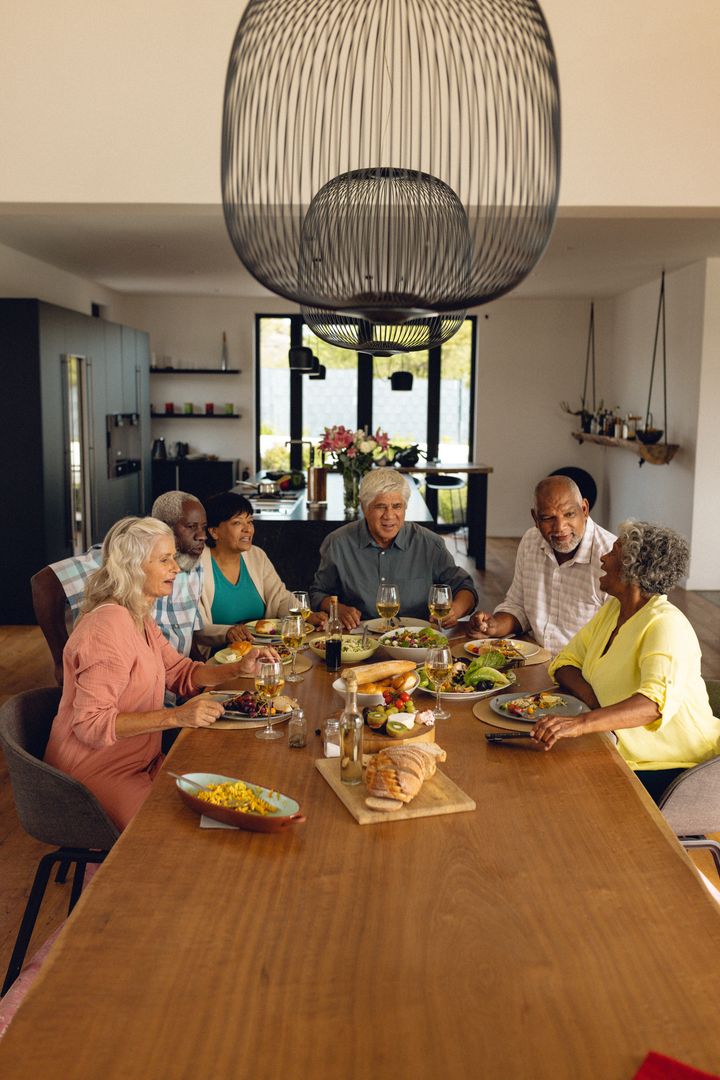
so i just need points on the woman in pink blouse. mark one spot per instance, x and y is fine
(117, 666)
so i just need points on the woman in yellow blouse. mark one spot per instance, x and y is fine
(636, 664)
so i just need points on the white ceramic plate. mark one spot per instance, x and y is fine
(475, 695)
(229, 714)
(525, 648)
(370, 699)
(377, 626)
(571, 706)
(229, 656)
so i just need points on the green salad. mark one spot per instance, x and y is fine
(470, 678)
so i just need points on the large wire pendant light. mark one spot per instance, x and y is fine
(391, 160)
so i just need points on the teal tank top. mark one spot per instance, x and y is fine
(235, 603)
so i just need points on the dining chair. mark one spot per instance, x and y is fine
(691, 804)
(52, 807)
(453, 485)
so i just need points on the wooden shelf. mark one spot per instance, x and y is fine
(655, 453)
(194, 416)
(195, 371)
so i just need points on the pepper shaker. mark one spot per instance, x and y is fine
(297, 729)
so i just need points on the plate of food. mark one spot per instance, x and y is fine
(238, 802)
(507, 646)
(267, 631)
(411, 642)
(352, 651)
(531, 707)
(252, 706)
(232, 654)
(379, 626)
(469, 680)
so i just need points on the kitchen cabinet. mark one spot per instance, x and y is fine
(200, 478)
(35, 341)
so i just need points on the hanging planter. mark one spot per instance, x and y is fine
(651, 434)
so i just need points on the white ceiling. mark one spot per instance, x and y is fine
(186, 249)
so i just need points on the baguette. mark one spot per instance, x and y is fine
(373, 673)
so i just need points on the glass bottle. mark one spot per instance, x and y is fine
(224, 354)
(297, 729)
(333, 641)
(351, 736)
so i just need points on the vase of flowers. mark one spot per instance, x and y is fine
(354, 453)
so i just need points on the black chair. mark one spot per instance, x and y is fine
(588, 487)
(454, 485)
(691, 804)
(51, 806)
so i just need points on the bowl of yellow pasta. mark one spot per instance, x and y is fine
(238, 802)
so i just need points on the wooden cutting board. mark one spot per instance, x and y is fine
(438, 795)
(373, 741)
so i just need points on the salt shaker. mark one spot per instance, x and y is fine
(297, 729)
(331, 738)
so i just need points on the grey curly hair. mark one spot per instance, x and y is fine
(379, 481)
(120, 578)
(653, 556)
(168, 507)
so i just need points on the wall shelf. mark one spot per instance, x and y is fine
(195, 416)
(655, 453)
(195, 371)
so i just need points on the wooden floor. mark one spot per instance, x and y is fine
(25, 663)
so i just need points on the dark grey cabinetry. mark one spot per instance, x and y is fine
(35, 340)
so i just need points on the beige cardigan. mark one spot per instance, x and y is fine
(274, 595)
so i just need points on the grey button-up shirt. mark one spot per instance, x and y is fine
(352, 566)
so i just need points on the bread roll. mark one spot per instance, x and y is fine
(266, 626)
(373, 673)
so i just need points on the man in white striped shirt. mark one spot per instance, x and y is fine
(555, 589)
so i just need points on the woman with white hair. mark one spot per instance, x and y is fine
(636, 664)
(117, 666)
(382, 546)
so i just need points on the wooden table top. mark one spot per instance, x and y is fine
(558, 931)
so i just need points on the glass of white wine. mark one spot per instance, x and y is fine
(291, 629)
(268, 681)
(438, 665)
(302, 605)
(439, 603)
(387, 603)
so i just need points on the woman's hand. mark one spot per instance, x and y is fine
(551, 728)
(238, 632)
(201, 711)
(253, 659)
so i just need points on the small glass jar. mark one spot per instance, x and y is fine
(331, 738)
(297, 729)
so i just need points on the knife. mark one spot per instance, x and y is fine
(501, 736)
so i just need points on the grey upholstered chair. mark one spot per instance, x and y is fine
(691, 803)
(52, 807)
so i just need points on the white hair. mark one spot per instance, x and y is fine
(121, 577)
(168, 507)
(379, 481)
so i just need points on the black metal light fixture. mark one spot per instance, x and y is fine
(382, 338)
(302, 360)
(319, 374)
(401, 380)
(400, 161)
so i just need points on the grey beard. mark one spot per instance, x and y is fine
(186, 562)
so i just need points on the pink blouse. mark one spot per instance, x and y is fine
(109, 668)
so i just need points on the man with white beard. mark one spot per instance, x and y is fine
(555, 589)
(63, 583)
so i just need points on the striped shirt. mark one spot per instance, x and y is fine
(555, 599)
(177, 615)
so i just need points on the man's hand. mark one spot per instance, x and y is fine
(318, 618)
(350, 617)
(485, 624)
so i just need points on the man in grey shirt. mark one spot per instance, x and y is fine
(383, 547)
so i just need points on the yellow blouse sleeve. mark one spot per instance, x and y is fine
(663, 656)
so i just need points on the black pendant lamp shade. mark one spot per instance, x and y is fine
(382, 339)
(391, 160)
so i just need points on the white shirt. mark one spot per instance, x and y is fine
(555, 599)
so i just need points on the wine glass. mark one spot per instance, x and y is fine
(439, 603)
(387, 603)
(438, 665)
(291, 629)
(302, 604)
(268, 680)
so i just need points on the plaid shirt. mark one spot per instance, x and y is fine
(177, 615)
(555, 599)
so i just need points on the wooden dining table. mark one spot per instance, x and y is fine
(556, 931)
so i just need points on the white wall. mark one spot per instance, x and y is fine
(22, 277)
(123, 102)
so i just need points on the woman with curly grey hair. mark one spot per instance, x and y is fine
(636, 664)
(117, 666)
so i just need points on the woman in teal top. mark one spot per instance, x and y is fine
(240, 584)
